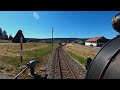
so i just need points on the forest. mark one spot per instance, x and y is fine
(4, 35)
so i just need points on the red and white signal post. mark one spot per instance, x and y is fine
(21, 41)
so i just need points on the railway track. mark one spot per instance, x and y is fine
(61, 67)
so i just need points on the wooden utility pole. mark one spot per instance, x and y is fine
(52, 39)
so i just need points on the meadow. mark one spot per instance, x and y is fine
(81, 52)
(10, 56)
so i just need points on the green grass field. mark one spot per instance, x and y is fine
(5, 41)
(10, 60)
(74, 52)
(81, 59)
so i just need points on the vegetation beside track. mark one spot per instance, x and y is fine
(10, 56)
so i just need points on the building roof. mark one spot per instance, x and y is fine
(94, 39)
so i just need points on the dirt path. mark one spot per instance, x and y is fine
(90, 48)
(4, 76)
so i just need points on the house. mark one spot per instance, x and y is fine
(96, 41)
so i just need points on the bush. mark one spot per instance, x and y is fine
(82, 43)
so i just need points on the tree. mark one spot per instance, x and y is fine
(1, 34)
(5, 36)
(82, 43)
(10, 37)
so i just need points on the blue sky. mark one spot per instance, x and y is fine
(66, 24)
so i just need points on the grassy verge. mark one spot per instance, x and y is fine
(5, 41)
(81, 59)
(14, 61)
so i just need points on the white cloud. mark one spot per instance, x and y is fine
(36, 15)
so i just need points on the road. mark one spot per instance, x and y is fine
(90, 48)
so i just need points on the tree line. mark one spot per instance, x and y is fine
(4, 36)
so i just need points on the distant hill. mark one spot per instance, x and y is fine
(55, 39)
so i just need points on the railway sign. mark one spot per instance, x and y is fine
(17, 37)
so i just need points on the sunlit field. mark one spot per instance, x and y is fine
(10, 56)
(81, 53)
